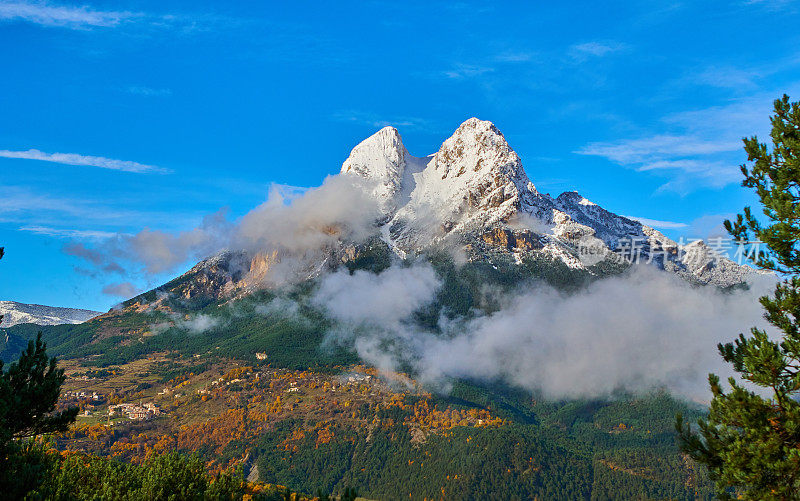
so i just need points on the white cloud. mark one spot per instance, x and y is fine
(689, 174)
(123, 289)
(655, 223)
(199, 323)
(709, 226)
(645, 149)
(83, 17)
(21, 204)
(149, 91)
(771, 5)
(638, 331)
(297, 227)
(686, 159)
(635, 332)
(378, 299)
(596, 49)
(514, 57)
(380, 121)
(68, 233)
(732, 121)
(461, 71)
(87, 160)
(701, 148)
(279, 306)
(31, 207)
(194, 324)
(47, 14)
(726, 77)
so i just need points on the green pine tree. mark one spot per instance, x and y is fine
(29, 390)
(751, 443)
(349, 494)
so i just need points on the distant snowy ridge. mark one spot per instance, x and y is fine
(19, 313)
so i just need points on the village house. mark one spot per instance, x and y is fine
(136, 412)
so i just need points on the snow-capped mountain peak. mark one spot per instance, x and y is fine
(475, 179)
(573, 197)
(475, 184)
(473, 195)
(478, 149)
(382, 159)
(381, 156)
(608, 226)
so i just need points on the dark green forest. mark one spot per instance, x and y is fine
(615, 448)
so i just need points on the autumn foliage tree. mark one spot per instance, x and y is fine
(29, 391)
(750, 441)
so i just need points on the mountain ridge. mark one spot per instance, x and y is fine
(476, 183)
(472, 196)
(21, 313)
(250, 373)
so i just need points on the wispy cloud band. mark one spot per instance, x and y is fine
(642, 150)
(47, 14)
(702, 150)
(656, 223)
(375, 120)
(53, 15)
(596, 49)
(68, 232)
(148, 91)
(84, 160)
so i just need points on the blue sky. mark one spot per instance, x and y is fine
(120, 116)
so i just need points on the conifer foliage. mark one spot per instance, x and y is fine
(750, 441)
(29, 390)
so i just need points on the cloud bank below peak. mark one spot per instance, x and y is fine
(636, 332)
(297, 222)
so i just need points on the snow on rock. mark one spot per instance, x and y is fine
(701, 264)
(20, 313)
(383, 159)
(608, 226)
(474, 178)
(472, 195)
(476, 182)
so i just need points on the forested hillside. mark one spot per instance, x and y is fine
(258, 387)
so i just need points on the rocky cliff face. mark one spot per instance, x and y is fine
(233, 274)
